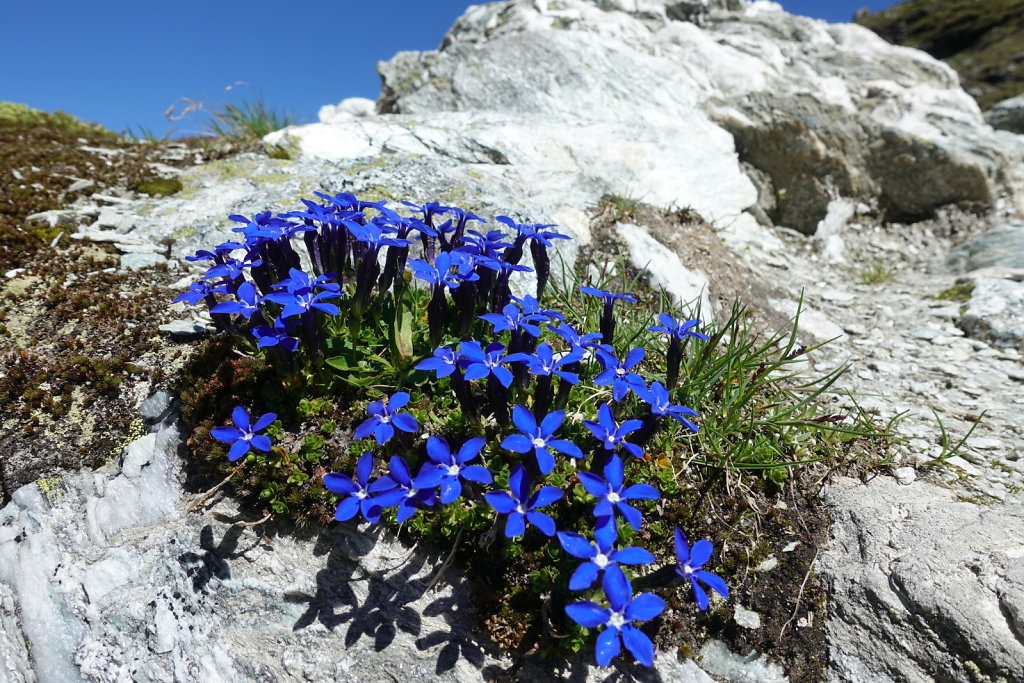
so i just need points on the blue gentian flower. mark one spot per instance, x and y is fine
(397, 489)
(481, 363)
(299, 280)
(660, 401)
(591, 340)
(513, 318)
(521, 507)
(443, 363)
(543, 362)
(278, 335)
(676, 329)
(218, 253)
(201, 290)
(232, 268)
(357, 491)
(439, 273)
(448, 468)
(617, 373)
(609, 296)
(537, 231)
(690, 562)
(611, 434)
(243, 435)
(599, 555)
(248, 302)
(617, 618)
(539, 438)
(613, 494)
(384, 417)
(531, 306)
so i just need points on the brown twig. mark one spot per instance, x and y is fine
(209, 494)
(800, 594)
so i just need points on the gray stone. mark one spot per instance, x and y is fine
(156, 407)
(1007, 115)
(688, 288)
(999, 247)
(750, 668)
(746, 618)
(917, 580)
(187, 328)
(995, 312)
(64, 218)
(140, 260)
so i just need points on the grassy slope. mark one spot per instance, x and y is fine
(982, 40)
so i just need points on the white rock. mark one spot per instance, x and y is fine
(688, 288)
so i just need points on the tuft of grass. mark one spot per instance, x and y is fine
(615, 208)
(950, 449)
(252, 119)
(876, 273)
(960, 292)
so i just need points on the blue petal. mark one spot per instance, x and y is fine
(405, 422)
(699, 594)
(478, 474)
(576, 545)
(594, 485)
(476, 371)
(226, 434)
(519, 483)
(700, 553)
(500, 501)
(632, 515)
(366, 428)
(606, 535)
(632, 555)
(261, 442)
(364, 467)
(524, 421)
(429, 476)
(383, 433)
(616, 588)
(237, 450)
(517, 443)
(542, 522)
(545, 496)
(613, 473)
(471, 449)
(567, 447)
(503, 375)
(339, 483)
(583, 577)
(398, 400)
(713, 582)
(644, 607)
(451, 489)
(240, 416)
(608, 646)
(682, 547)
(439, 451)
(587, 614)
(347, 509)
(640, 492)
(515, 525)
(264, 422)
(638, 644)
(545, 461)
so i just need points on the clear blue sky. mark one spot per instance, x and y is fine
(123, 63)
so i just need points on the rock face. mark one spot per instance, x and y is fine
(899, 554)
(1008, 115)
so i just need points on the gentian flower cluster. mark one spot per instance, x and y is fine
(510, 365)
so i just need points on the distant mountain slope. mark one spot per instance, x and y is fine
(982, 39)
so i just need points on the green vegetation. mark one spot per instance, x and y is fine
(876, 273)
(960, 292)
(983, 41)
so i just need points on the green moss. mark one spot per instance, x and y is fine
(160, 187)
(961, 292)
(21, 113)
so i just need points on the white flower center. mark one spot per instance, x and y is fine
(687, 569)
(520, 510)
(610, 439)
(613, 497)
(410, 493)
(360, 494)
(539, 442)
(385, 418)
(453, 470)
(601, 560)
(616, 620)
(620, 372)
